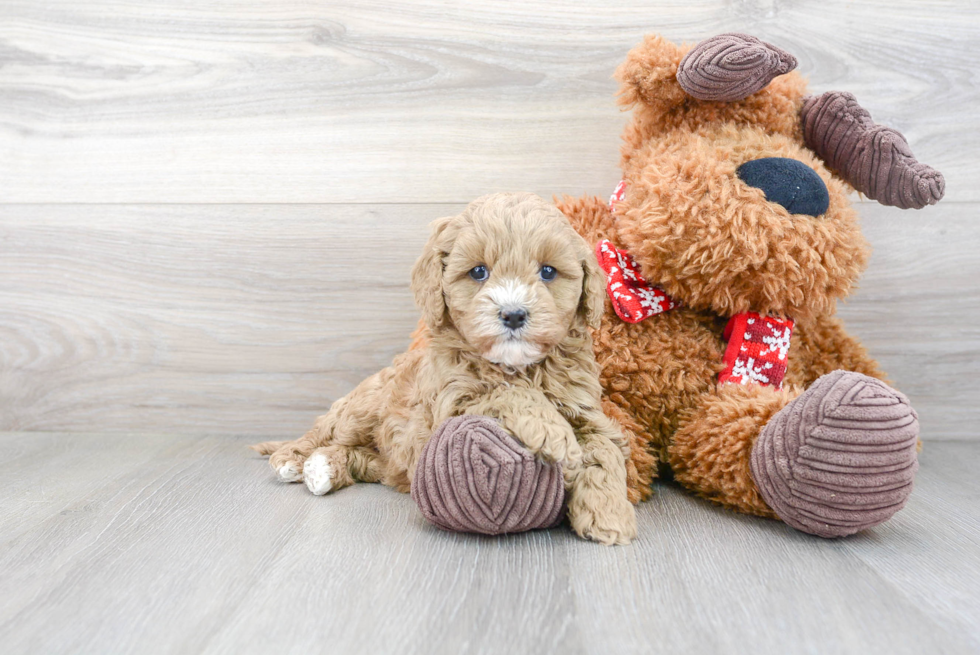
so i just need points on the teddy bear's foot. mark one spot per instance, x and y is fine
(472, 476)
(839, 458)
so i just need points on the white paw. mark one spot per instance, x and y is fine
(290, 473)
(318, 475)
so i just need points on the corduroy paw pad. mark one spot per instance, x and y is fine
(840, 458)
(473, 476)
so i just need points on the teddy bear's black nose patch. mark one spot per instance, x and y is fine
(787, 182)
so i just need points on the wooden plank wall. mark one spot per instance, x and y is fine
(208, 212)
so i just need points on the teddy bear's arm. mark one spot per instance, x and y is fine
(822, 346)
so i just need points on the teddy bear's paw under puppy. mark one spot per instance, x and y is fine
(318, 474)
(839, 458)
(473, 476)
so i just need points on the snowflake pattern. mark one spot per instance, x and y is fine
(745, 370)
(617, 195)
(757, 345)
(632, 297)
(778, 341)
(757, 349)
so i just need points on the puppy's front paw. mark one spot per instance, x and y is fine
(318, 474)
(554, 442)
(609, 519)
(608, 525)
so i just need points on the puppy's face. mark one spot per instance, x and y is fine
(512, 278)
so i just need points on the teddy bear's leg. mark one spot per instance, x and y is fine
(711, 451)
(823, 346)
(841, 457)
(835, 459)
(472, 476)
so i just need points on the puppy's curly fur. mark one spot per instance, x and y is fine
(540, 380)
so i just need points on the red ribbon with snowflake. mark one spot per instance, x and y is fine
(757, 345)
(617, 195)
(632, 297)
(757, 349)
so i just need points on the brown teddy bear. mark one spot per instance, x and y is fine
(727, 246)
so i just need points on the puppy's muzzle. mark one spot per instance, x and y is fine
(513, 318)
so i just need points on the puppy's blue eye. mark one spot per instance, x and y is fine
(548, 273)
(479, 273)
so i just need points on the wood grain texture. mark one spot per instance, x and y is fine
(383, 101)
(198, 550)
(199, 295)
(191, 318)
(252, 319)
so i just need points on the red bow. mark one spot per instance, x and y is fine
(632, 297)
(757, 345)
(757, 349)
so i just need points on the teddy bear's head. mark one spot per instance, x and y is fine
(738, 184)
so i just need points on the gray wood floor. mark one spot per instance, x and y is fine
(151, 543)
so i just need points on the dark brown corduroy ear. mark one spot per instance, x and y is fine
(731, 67)
(874, 159)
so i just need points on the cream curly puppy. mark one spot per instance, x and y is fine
(508, 291)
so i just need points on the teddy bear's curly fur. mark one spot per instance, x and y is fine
(829, 454)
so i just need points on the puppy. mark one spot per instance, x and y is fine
(508, 291)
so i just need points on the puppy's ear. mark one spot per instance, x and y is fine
(427, 275)
(592, 303)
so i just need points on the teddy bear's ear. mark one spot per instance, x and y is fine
(731, 67)
(874, 159)
(725, 68)
(592, 302)
(427, 274)
(649, 74)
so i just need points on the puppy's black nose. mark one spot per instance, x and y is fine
(787, 182)
(513, 318)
